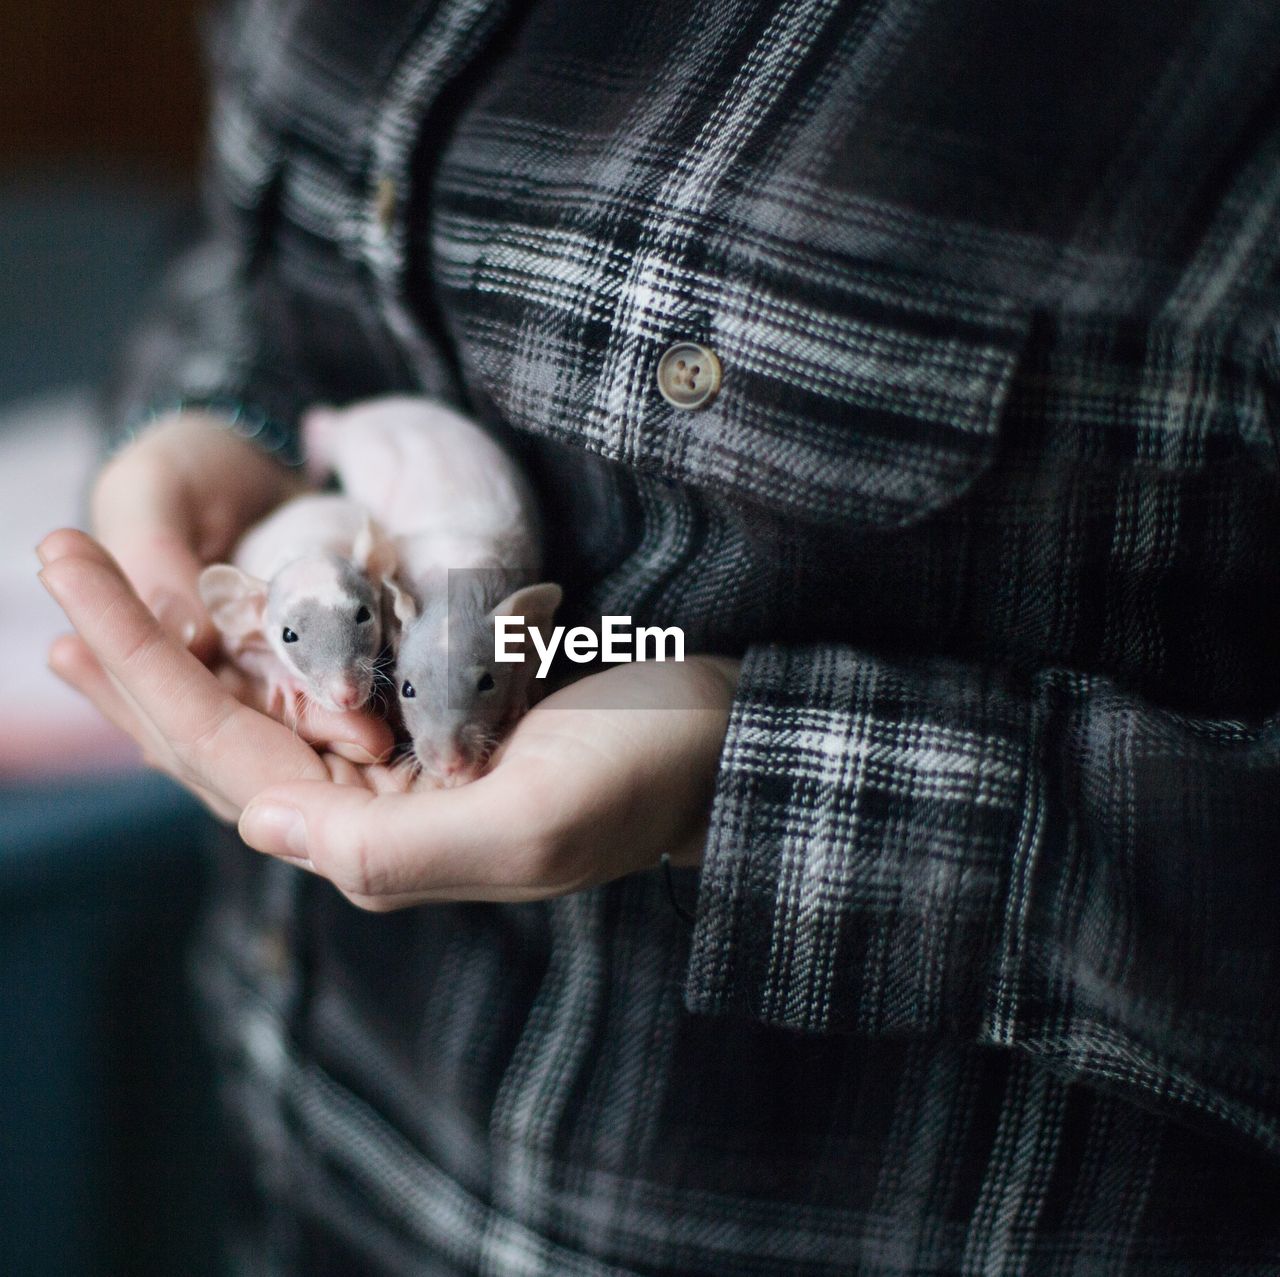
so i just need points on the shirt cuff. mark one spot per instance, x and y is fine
(260, 428)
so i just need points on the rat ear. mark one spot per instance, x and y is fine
(373, 552)
(536, 603)
(403, 607)
(237, 602)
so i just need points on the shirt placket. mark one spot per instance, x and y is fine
(447, 42)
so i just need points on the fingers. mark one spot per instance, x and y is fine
(64, 541)
(228, 748)
(177, 498)
(397, 848)
(72, 661)
(122, 634)
(143, 513)
(390, 778)
(359, 738)
(341, 771)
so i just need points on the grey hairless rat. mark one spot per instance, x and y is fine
(302, 604)
(467, 538)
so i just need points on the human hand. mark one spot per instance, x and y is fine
(597, 781)
(176, 498)
(196, 724)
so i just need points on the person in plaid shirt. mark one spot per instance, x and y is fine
(975, 784)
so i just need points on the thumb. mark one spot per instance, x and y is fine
(441, 844)
(141, 515)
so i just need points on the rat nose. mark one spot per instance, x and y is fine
(344, 694)
(450, 765)
(455, 765)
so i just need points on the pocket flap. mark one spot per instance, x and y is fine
(846, 395)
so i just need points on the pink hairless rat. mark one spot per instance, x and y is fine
(301, 606)
(468, 543)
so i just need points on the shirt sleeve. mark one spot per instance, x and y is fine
(220, 332)
(1049, 865)
(264, 314)
(210, 341)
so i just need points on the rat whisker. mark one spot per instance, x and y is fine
(407, 769)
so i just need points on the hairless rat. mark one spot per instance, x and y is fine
(467, 538)
(301, 605)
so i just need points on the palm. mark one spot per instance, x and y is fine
(597, 781)
(634, 746)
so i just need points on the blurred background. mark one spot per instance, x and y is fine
(108, 1150)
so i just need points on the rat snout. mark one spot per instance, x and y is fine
(451, 765)
(455, 768)
(345, 694)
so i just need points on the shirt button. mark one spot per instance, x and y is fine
(688, 375)
(384, 203)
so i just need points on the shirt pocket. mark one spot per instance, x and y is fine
(849, 393)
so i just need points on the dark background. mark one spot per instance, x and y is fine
(101, 82)
(109, 1150)
(101, 123)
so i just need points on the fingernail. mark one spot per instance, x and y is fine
(174, 613)
(354, 753)
(42, 550)
(277, 830)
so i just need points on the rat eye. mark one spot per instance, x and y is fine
(485, 683)
(406, 690)
(362, 615)
(289, 636)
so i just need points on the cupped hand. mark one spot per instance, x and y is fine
(597, 781)
(174, 500)
(194, 723)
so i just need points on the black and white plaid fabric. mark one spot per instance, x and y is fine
(985, 975)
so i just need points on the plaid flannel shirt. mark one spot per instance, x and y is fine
(985, 976)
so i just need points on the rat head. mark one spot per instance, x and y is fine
(456, 699)
(321, 616)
